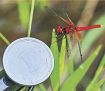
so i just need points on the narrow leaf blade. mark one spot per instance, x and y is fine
(75, 78)
(55, 77)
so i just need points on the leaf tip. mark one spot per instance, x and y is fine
(53, 30)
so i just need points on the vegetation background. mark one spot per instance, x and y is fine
(69, 73)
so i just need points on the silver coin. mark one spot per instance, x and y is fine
(28, 61)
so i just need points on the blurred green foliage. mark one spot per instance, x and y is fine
(55, 77)
(95, 84)
(24, 14)
(92, 35)
(73, 77)
(73, 80)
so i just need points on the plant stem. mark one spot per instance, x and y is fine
(4, 39)
(31, 17)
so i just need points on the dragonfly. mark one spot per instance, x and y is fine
(73, 29)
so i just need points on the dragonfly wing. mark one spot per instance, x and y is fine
(70, 21)
(77, 35)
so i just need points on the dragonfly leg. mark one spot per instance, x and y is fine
(80, 50)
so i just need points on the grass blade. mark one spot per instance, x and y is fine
(55, 77)
(102, 83)
(71, 83)
(62, 56)
(23, 8)
(96, 77)
(24, 89)
(31, 17)
(4, 39)
(42, 4)
(36, 88)
(95, 87)
(70, 60)
(42, 87)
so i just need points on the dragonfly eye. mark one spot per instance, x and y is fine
(59, 29)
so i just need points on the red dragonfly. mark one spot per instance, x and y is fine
(71, 29)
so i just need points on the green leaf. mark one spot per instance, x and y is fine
(70, 60)
(42, 87)
(71, 83)
(24, 89)
(36, 88)
(103, 86)
(24, 8)
(96, 77)
(4, 39)
(94, 87)
(101, 82)
(42, 4)
(55, 77)
(62, 56)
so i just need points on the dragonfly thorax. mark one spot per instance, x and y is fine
(65, 30)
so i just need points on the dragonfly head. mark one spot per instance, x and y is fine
(59, 29)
